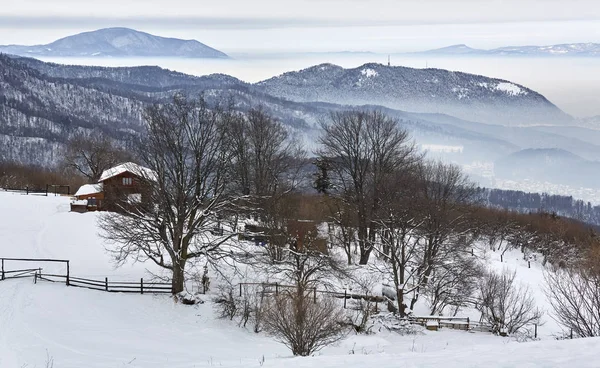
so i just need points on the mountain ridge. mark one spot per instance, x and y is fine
(117, 42)
(568, 49)
(463, 95)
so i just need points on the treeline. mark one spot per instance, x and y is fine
(18, 176)
(523, 202)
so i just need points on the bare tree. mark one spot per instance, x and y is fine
(453, 284)
(91, 154)
(505, 304)
(361, 149)
(265, 157)
(575, 300)
(186, 191)
(443, 199)
(303, 324)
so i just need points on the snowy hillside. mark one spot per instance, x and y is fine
(466, 96)
(117, 42)
(85, 328)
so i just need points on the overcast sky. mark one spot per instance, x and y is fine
(313, 25)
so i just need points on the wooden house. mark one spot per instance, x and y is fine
(89, 197)
(117, 187)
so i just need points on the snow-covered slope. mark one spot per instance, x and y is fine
(85, 328)
(117, 42)
(466, 96)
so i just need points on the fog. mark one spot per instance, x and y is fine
(573, 84)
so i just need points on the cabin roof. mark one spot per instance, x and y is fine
(130, 167)
(88, 189)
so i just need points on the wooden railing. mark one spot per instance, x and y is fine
(69, 280)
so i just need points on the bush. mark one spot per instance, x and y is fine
(505, 304)
(303, 325)
(393, 323)
(575, 300)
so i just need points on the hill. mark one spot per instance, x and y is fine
(89, 328)
(117, 42)
(550, 165)
(465, 96)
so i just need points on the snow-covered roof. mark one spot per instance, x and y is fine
(89, 189)
(130, 167)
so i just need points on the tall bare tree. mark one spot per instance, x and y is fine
(91, 154)
(443, 200)
(266, 159)
(361, 149)
(187, 190)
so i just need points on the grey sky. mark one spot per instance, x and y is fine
(319, 25)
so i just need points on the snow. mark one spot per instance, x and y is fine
(510, 89)
(88, 189)
(86, 328)
(128, 167)
(369, 72)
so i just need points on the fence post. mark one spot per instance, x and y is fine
(468, 322)
(68, 274)
(106, 283)
(2, 268)
(142, 285)
(529, 264)
(35, 278)
(535, 331)
(345, 296)
(571, 334)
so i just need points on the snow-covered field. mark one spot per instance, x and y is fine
(85, 328)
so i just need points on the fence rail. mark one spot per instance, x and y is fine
(139, 287)
(55, 189)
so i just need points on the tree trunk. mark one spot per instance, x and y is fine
(364, 256)
(178, 281)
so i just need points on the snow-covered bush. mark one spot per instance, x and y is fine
(392, 322)
(188, 298)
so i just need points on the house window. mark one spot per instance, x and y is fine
(127, 181)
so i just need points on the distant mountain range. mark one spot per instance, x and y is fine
(117, 42)
(43, 104)
(572, 49)
(549, 165)
(465, 96)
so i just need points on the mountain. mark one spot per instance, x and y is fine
(465, 96)
(549, 165)
(43, 104)
(572, 49)
(117, 42)
(461, 49)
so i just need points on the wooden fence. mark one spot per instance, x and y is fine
(55, 189)
(275, 288)
(69, 280)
